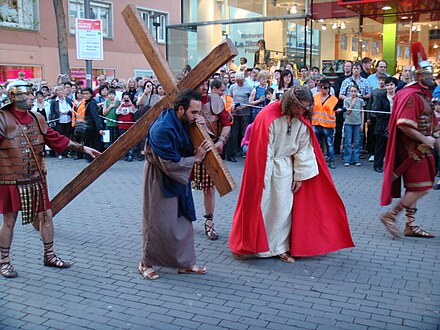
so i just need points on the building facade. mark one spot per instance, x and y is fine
(308, 32)
(29, 37)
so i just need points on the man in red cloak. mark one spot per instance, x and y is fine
(288, 205)
(413, 131)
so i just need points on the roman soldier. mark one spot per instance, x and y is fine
(413, 132)
(23, 134)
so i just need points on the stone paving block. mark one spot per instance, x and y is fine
(34, 319)
(254, 323)
(180, 314)
(302, 324)
(210, 320)
(161, 318)
(369, 322)
(233, 325)
(210, 327)
(189, 324)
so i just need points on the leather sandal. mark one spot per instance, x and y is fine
(416, 231)
(209, 228)
(148, 272)
(6, 270)
(193, 270)
(389, 222)
(56, 262)
(284, 257)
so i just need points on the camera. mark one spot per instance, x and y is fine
(237, 105)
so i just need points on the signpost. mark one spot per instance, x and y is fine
(89, 39)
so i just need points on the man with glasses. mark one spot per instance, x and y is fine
(324, 119)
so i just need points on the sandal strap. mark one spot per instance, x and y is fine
(416, 230)
(209, 230)
(7, 270)
(55, 261)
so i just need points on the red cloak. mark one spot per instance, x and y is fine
(391, 188)
(319, 219)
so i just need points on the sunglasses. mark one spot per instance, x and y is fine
(325, 87)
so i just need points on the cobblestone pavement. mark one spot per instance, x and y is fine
(382, 283)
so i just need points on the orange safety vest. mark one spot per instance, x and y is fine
(80, 112)
(324, 114)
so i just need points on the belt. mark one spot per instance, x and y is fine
(21, 181)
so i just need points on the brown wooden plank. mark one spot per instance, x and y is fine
(215, 59)
(110, 156)
(151, 51)
(213, 163)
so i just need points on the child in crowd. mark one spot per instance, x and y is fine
(246, 138)
(354, 123)
(125, 114)
(268, 96)
(109, 111)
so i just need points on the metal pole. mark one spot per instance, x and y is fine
(88, 62)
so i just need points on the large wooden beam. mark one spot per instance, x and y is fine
(151, 51)
(216, 58)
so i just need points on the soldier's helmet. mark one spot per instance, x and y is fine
(19, 86)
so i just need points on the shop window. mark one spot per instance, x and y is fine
(344, 42)
(98, 10)
(354, 44)
(19, 14)
(156, 22)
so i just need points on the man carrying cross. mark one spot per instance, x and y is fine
(168, 206)
(23, 135)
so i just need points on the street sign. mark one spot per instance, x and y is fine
(89, 42)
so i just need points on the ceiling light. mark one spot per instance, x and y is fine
(343, 26)
(334, 25)
(386, 8)
(435, 46)
(404, 17)
(293, 10)
(324, 27)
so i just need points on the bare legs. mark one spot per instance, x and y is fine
(209, 201)
(47, 235)
(409, 202)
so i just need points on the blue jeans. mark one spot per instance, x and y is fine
(131, 151)
(327, 133)
(352, 137)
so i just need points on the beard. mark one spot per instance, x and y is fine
(186, 123)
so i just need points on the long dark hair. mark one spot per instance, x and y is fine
(282, 75)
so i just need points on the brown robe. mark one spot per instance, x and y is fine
(168, 240)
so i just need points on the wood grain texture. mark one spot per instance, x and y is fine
(213, 163)
(209, 65)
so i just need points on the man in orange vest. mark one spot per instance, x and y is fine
(324, 118)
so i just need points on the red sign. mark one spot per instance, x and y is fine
(357, 2)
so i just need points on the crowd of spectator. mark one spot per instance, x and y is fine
(350, 116)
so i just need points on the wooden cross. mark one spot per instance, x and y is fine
(209, 65)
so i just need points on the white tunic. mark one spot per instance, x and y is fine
(289, 157)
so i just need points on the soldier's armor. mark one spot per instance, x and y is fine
(212, 126)
(16, 160)
(425, 124)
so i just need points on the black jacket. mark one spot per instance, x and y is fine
(55, 110)
(92, 119)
